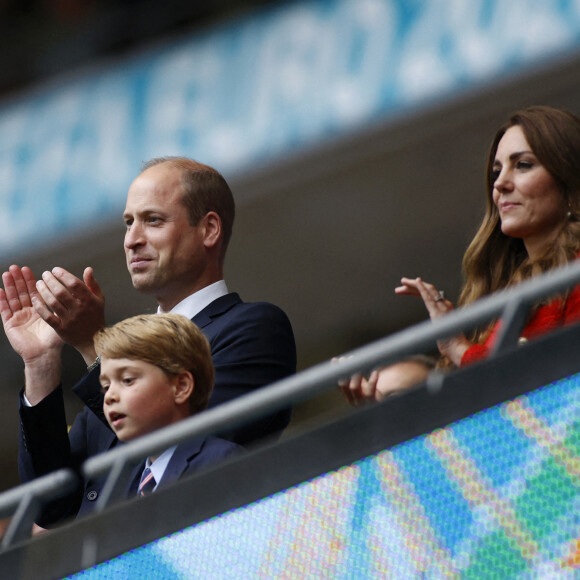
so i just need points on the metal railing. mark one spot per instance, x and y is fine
(24, 502)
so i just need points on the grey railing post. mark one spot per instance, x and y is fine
(115, 485)
(513, 321)
(22, 504)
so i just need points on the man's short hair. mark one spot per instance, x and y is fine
(204, 190)
(171, 342)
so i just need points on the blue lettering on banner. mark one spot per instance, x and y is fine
(251, 90)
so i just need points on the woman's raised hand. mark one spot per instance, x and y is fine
(437, 306)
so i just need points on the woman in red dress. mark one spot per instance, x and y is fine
(531, 225)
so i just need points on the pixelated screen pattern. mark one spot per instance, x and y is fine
(494, 495)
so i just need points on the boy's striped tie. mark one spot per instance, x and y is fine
(147, 482)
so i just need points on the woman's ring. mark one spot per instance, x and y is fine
(441, 296)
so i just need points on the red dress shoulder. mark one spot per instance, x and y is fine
(545, 319)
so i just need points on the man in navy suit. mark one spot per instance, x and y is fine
(179, 217)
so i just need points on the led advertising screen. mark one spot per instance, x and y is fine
(493, 495)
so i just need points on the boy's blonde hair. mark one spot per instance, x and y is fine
(171, 342)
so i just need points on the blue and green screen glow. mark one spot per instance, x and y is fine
(494, 495)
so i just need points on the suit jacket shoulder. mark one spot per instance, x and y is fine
(252, 345)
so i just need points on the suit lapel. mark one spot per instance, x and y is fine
(134, 479)
(176, 467)
(180, 460)
(216, 308)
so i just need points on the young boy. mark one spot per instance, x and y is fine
(156, 370)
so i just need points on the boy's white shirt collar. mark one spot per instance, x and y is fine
(159, 466)
(197, 301)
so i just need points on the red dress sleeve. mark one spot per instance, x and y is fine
(473, 354)
(572, 312)
(545, 319)
(479, 351)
